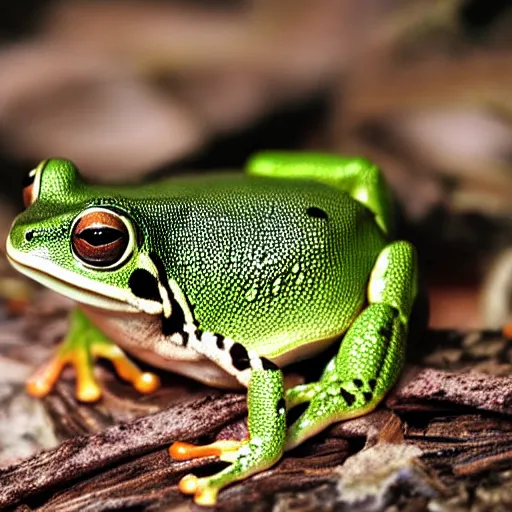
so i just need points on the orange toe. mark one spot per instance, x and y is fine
(188, 484)
(204, 494)
(144, 382)
(186, 451)
(37, 387)
(45, 377)
(88, 391)
(147, 383)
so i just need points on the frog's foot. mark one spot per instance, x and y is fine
(333, 401)
(81, 357)
(357, 380)
(205, 490)
(301, 394)
(226, 450)
(246, 457)
(81, 346)
(263, 448)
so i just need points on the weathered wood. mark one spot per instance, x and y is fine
(443, 436)
(81, 455)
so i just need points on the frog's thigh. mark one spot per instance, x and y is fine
(264, 447)
(371, 355)
(359, 178)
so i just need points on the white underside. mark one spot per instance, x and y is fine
(140, 335)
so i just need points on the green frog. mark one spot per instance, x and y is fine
(226, 279)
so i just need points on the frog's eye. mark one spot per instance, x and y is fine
(102, 238)
(31, 184)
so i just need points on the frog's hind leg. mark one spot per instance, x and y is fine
(263, 448)
(359, 178)
(306, 392)
(371, 355)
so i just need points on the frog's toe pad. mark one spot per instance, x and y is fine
(226, 450)
(44, 378)
(204, 494)
(144, 382)
(37, 387)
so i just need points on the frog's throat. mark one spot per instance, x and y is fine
(76, 287)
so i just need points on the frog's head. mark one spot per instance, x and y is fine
(83, 242)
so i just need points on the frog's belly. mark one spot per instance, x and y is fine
(141, 335)
(199, 368)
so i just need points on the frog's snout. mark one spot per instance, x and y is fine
(18, 238)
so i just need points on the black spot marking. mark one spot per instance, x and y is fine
(239, 357)
(28, 179)
(367, 396)
(358, 383)
(372, 383)
(386, 331)
(185, 337)
(176, 321)
(317, 213)
(144, 285)
(29, 235)
(168, 326)
(281, 406)
(268, 364)
(368, 214)
(394, 312)
(387, 340)
(348, 397)
(220, 342)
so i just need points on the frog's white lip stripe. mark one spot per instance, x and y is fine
(77, 287)
(72, 292)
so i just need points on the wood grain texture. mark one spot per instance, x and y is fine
(443, 438)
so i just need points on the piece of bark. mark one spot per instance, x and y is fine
(115, 456)
(475, 390)
(469, 444)
(79, 456)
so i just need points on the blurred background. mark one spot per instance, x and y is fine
(135, 90)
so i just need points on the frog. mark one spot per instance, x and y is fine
(227, 278)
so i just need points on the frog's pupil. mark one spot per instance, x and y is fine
(100, 239)
(99, 236)
(28, 179)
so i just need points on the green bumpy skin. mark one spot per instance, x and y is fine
(243, 273)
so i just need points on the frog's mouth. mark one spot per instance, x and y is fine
(77, 287)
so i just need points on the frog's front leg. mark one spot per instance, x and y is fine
(372, 353)
(82, 344)
(264, 447)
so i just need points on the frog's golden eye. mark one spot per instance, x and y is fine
(101, 238)
(31, 185)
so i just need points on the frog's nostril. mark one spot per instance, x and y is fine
(29, 235)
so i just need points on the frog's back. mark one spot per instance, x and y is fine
(274, 264)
